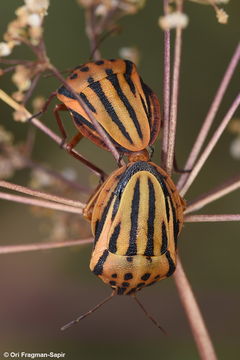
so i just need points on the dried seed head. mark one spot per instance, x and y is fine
(6, 137)
(130, 53)
(173, 20)
(34, 20)
(6, 168)
(222, 16)
(37, 6)
(20, 115)
(22, 78)
(234, 126)
(235, 148)
(38, 104)
(5, 49)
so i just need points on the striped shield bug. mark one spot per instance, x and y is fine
(126, 108)
(136, 217)
(136, 220)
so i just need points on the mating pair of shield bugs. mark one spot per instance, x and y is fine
(136, 214)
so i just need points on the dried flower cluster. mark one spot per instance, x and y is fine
(26, 29)
(27, 26)
(103, 7)
(174, 19)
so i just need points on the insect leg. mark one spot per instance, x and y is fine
(81, 317)
(147, 314)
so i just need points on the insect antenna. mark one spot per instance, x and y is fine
(150, 317)
(81, 317)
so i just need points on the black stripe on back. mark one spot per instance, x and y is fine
(132, 249)
(113, 240)
(129, 67)
(130, 83)
(147, 92)
(151, 217)
(127, 76)
(96, 87)
(87, 102)
(79, 120)
(144, 106)
(167, 208)
(164, 239)
(64, 91)
(172, 266)
(115, 83)
(101, 222)
(98, 268)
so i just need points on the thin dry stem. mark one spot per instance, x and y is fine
(199, 330)
(41, 194)
(226, 188)
(210, 115)
(41, 203)
(166, 90)
(212, 218)
(41, 246)
(174, 96)
(201, 161)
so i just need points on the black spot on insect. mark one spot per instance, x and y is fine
(84, 69)
(99, 62)
(128, 276)
(112, 60)
(112, 282)
(157, 277)
(114, 275)
(141, 284)
(90, 80)
(121, 290)
(125, 284)
(129, 258)
(73, 76)
(146, 276)
(149, 258)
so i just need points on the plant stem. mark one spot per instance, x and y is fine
(217, 193)
(41, 246)
(189, 303)
(174, 96)
(40, 194)
(41, 203)
(166, 89)
(212, 218)
(210, 115)
(201, 161)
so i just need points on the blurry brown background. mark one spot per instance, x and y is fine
(41, 291)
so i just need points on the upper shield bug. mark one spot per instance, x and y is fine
(126, 108)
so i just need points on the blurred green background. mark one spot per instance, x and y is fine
(41, 291)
